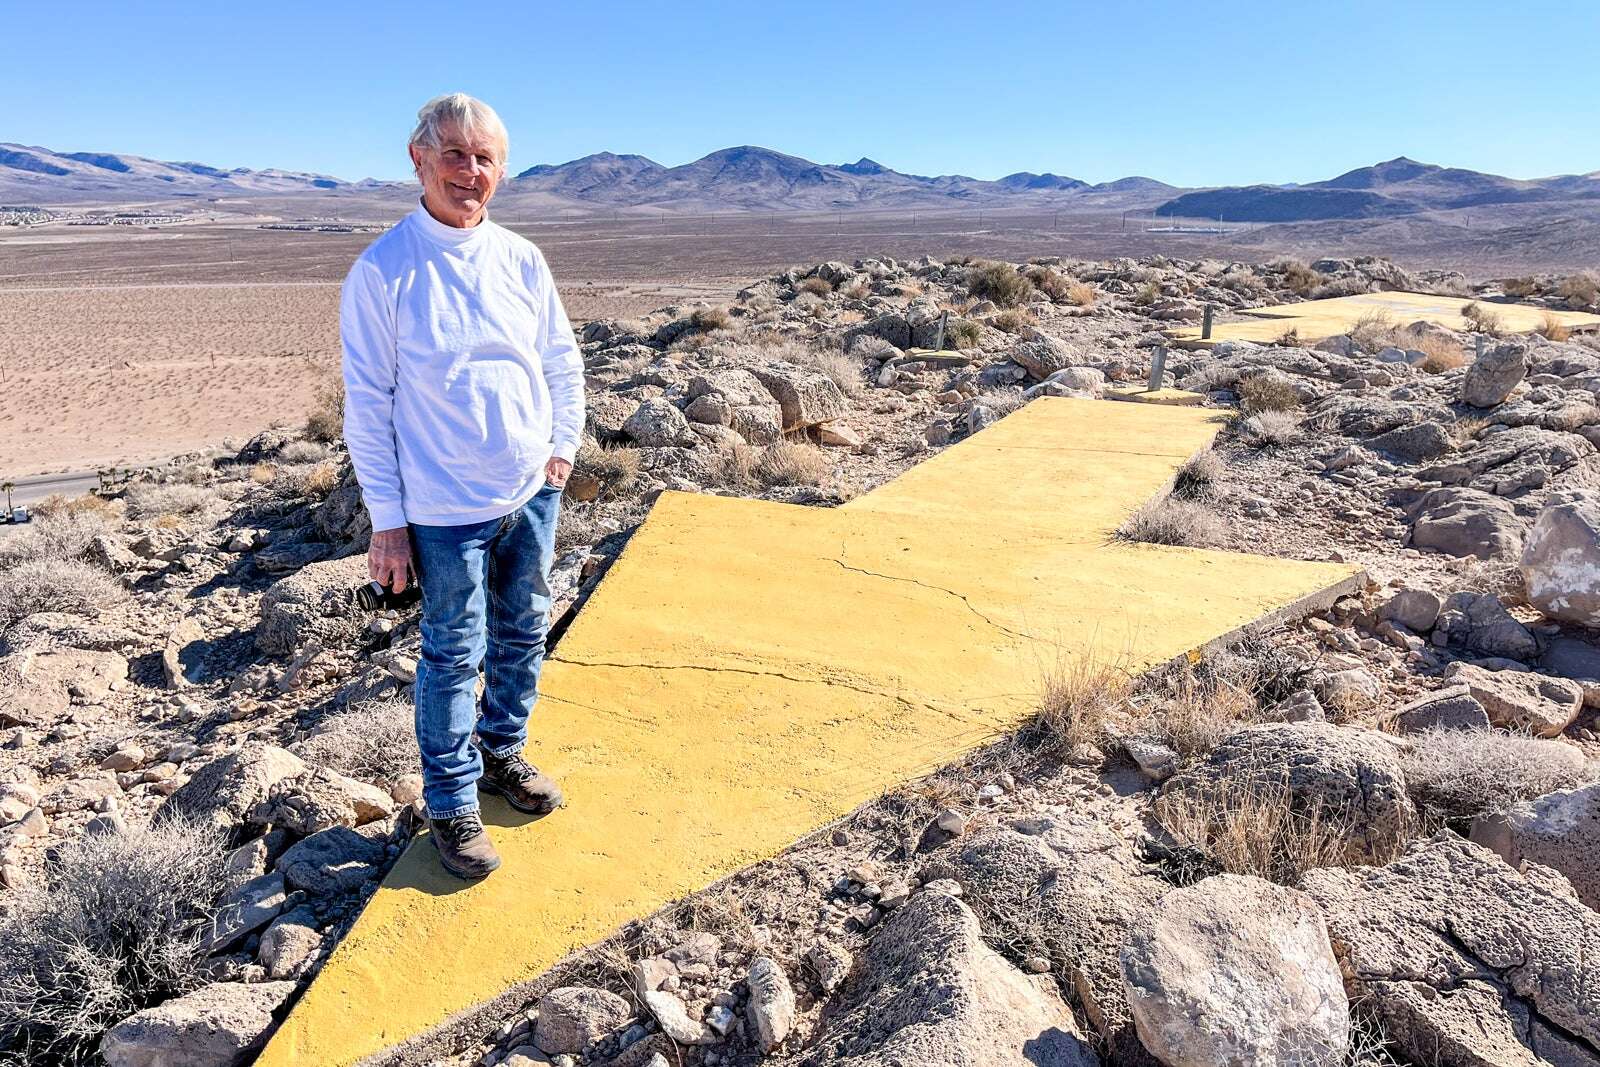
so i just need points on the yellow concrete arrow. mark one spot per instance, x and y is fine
(748, 672)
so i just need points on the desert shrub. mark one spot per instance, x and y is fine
(1268, 392)
(1211, 377)
(709, 318)
(1168, 520)
(1270, 429)
(301, 452)
(1243, 282)
(1290, 338)
(843, 370)
(311, 481)
(1553, 329)
(1580, 290)
(1079, 696)
(325, 421)
(1258, 828)
(615, 468)
(815, 286)
(264, 473)
(1147, 294)
(1000, 402)
(1080, 294)
(1013, 320)
(117, 924)
(1300, 279)
(962, 333)
(1484, 320)
(61, 535)
(733, 466)
(1521, 288)
(1373, 331)
(1059, 287)
(58, 504)
(65, 585)
(999, 282)
(580, 525)
(856, 290)
(791, 463)
(1439, 352)
(1199, 476)
(1350, 285)
(147, 500)
(374, 741)
(1457, 774)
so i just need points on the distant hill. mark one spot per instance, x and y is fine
(1398, 187)
(38, 175)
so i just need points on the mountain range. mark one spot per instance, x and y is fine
(748, 178)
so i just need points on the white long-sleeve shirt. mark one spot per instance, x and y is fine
(462, 377)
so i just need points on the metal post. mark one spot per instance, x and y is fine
(1205, 323)
(938, 341)
(1477, 343)
(1158, 368)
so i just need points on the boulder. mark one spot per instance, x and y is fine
(1521, 700)
(571, 1018)
(1351, 689)
(936, 994)
(1493, 375)
(318, 799)
(740, 397)
(1415, 609)
(1466, 522)
(332, 861)
(223, 792)
(39, 686)
(770, 1009)
(1234, 969)
(1577, 661)
(805, 397)
(1464, 961)
(656, 423)
(316, 601)
(290, 944)
(1415, 444)
(1510, 461)
(247, 909)
(1558, 830)
(1347, 774)
(1478, 623)
(1451, 708)
(217, 1026)
(182, 653)
(1043, 357)
(1561, 561)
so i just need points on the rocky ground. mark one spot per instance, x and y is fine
(1378, 824)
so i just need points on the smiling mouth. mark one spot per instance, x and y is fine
(463, 190)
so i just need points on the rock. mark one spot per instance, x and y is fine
(1452, 708)
(1561, 561)
(1043, 357)
(1559, 830)
(750, 410)
(319, 799)
(674, 1019)
(1519, 700)
(80, 794)
(656, 423)
(1347, 774)
(111, 554)
(41, 685)
(1348, 690)
(217, 1026)
(314, 602)
(831, 962)
(128, 757)
(290, 944)
(1463, 961)
(1235, 969)
(1415, 609)
(939, 995)
(838, 435)
(1578, 661)
(182, 652)
(223, 792)
(699, 947)
(770, 1009)
(1466, 522)
(1480, 624)
(1158, 761)
(247, 909)
(806, 397)
(1078, 381)
(331, 862)
(571, 1018)
(1493, 375)
(1415, 444)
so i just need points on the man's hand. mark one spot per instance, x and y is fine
(557, 471)
(389, 558)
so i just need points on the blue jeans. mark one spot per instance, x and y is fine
(485, 602)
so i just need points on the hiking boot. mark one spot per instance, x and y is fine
(520, 783)
(464, 846)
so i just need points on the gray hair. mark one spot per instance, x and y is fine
(468, 114)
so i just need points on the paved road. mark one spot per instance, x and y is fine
(31, 490)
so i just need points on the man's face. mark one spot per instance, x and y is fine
(459, 176)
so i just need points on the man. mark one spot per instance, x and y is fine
(463, 411)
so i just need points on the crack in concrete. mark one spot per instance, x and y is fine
(844, 551)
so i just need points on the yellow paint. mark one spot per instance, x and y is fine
(748, 672)
(1317, 320)
(1141, 395)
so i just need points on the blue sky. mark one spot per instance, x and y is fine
(1192, 93)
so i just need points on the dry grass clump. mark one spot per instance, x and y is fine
(60, 535)
(581, 524)
(264, 473)
(308, 481)
(1270, 429)
(147, 500)
(1553, 329)
(1268, 392)
(1521, 288)
(790, 463)
(1580, 290)
(1243, 282)
(1458, 774)
(707, 319)
(1373, 331)
(616, 468)
(1290, 338)
(999, 282)
(1147, 294)
(325, 422)
(65, 585)
(1350, 285)
(1080, 294)
(1439, 352)
(301, 452)
(1199, 476)
(1168, 520)
(962, 333)
(58, 504)
(1001, 401)
(1299, 278)
(815, 286)
(1258, 828)
(1013, 320)
(1060, 288)
(856, 290)
(117, 924)
(1079, 697)
(1484, 320)
(374, 741)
